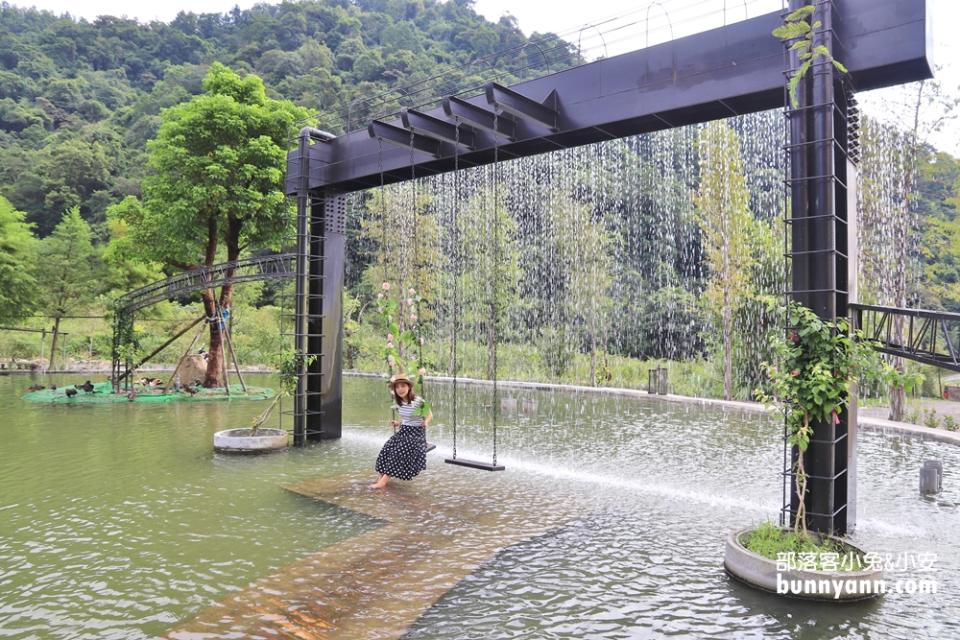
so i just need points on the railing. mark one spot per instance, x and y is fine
(931, 337)
(273, 267)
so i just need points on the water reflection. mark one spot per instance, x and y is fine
(119, 521)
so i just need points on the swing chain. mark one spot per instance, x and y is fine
(456, 274)
(496, 273)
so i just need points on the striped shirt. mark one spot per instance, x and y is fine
(407, 410)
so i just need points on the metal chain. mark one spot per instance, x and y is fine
(456, 274)
(383, 242)
(496, 273)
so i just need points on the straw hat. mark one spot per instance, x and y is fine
(399, 377)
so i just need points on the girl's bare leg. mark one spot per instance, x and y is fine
(382, 482)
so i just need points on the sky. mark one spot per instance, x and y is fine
(619, 26)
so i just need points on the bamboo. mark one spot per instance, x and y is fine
(233, 356)
(223, 347)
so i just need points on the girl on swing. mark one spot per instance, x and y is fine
(404, 455)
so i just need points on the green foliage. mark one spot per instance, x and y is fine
(769, 541)
(68, 268)
(798, 32)
(555, 351)
(62, 79)
(18, 255)
(811, 377)
(725, 222)
(585, 264)
(398, 309)
(219, 162)
(124, 267)
(931, 419)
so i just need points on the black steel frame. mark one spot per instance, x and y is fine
(260, 268)
(724, 72)
(931, 337)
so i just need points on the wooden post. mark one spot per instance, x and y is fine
(223, 345)
(233, 355)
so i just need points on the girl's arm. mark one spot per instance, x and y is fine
(426, 421)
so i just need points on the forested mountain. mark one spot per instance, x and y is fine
(80, 99)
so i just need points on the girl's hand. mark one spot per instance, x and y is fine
(394, 423)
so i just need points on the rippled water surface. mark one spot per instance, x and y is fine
(119, 522)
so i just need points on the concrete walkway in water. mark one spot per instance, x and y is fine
(434, 534)
(375, 585)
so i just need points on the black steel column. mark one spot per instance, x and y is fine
(301, 165)
(327, 261)
(819, 250)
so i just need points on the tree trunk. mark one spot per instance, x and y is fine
(53, 343)
(898, 395)
(215, 350)
(727, 350)
(593, 352)
(491, 345)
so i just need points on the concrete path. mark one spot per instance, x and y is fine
(377, 584)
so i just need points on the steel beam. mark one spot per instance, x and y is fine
(460, 109)
(523, 107)
(733, 69)
(443, 130)
(405, 138)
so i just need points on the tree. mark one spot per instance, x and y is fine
(217, 186)
(583, 253)
(67, 271)
(725, 219)
(401, 235)
(489, 268)
(18, 255)
(124, 266)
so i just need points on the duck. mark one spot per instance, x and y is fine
(36, 387)
(71, 392)
(87, 387)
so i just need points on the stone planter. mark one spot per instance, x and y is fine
(824, 586)
(240, 440)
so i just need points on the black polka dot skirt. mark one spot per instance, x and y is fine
(403, 454)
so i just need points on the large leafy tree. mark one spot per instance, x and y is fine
(725, 222)
(582, 250)
(18, 248)
(217, 184)
(68, 271)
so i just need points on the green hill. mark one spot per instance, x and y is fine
(79, 99)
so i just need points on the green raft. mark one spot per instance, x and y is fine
(102, 393)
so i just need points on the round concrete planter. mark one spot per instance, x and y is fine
(240, 440)
(823, 586)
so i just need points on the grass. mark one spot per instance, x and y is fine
(769, 540)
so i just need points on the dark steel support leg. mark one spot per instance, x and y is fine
(821, 278)
(328, 259)
(301, 287)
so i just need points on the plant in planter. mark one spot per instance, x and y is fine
(255, 438)
(288, 365)
(816, 363)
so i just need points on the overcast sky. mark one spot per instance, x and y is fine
(622, 25)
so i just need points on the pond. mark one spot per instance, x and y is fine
(119, 521)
